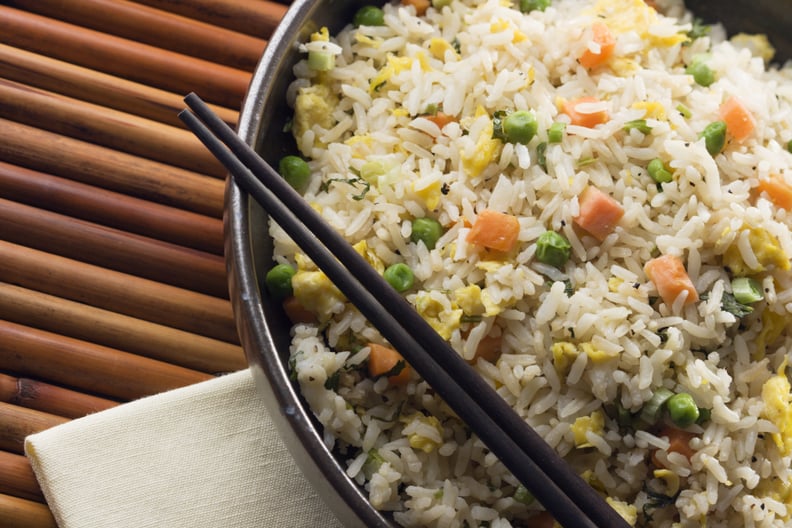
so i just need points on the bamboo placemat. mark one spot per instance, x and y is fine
(112, 281)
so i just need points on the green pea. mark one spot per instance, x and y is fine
(520, 127)
(526, 6)
(295, 171)
(682, 409)
(369, 16)
(556, 132)
(658, 172)
(279, 281)
(400, 276)
(553, 248)
(522, 495)
(702, 74)
(426, 230)
(714, 136)
(789, 146)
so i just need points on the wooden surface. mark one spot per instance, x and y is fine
(112, 279)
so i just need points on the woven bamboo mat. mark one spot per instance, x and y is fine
(112, 280)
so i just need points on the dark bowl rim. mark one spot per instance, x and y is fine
(290, 413)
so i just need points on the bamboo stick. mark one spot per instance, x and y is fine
(113, 249)
(116, 171)
(126, 58)
(103, 327)
(86, 366)
(111, 209)
(17, 478)
(153, 26)
(107, 127)
(44, 397)
(96, 87)
(21, 513)
(117, 292)
(254, 17)
(18, 422)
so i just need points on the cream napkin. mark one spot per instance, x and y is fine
(206, 455)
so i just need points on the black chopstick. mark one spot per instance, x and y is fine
(563, 493)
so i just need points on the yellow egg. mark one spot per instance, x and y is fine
(316, 293)
(594, 423)
(766, 248)
(444, 319)
(778, 408)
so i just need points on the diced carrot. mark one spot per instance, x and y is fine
(739, 121)
(420, 5)
(383, 360)
(599, 213)
(296, 312)
(580, 117)
(440, 119)
(494, 230)
(679, 442)
(778, 191)
(670, 278)
(489, 349)
(603, 39)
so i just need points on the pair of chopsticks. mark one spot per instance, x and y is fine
(542, 471)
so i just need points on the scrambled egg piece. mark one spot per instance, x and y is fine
(565, 353)
(313, 106)
(778, 408)
(430, 194)
(773, 325)
(594, 423)
(475, 301)
(765, 247)
(652, 109)
(671, 479)
(628, 511)
(444, 319)
(394, 66)
(371, 257)
(502, 25)
(485, 150)
(623, 16)
(758, 44)
(316, 293)
(425, 443)
(439, 46)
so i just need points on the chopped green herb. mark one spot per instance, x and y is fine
(699, 29)
(684, 111)
(373, 462)
(331, 383)
(356, 181)
(541, 157)
(731, 305)
(526, 6)
(395, 371)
